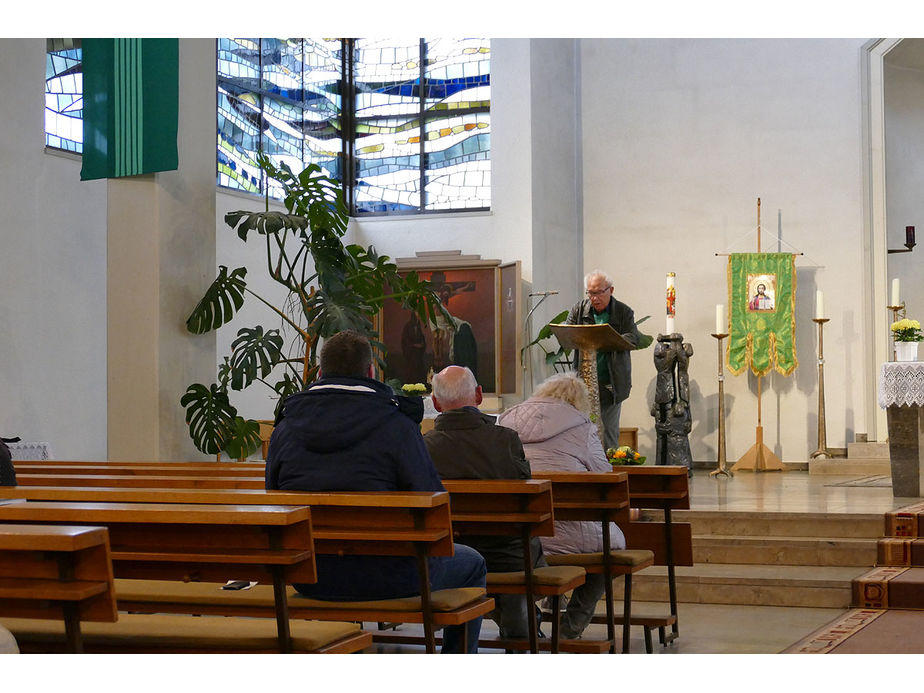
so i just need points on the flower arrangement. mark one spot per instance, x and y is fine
(906, 330)
(624, 455)
(414, 389)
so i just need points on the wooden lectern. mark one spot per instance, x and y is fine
(588, 340)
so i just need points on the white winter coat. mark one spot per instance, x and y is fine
(557, 437)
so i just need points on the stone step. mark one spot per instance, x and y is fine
(776, 524)
(785, 550)
(874, 450)
(848, 467)
(754, 585)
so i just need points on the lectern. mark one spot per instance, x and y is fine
(588, 340)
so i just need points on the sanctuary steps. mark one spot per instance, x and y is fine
(769, 558)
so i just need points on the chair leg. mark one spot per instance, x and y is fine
(648, 647)
(556, 622)
(627, 613)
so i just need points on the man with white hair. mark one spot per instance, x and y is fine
(614, 368)
(466, 443)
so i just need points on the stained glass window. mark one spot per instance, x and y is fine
(279, 96)
(64, 94)
(410, 118)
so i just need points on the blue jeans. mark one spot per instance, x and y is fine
(360, 578)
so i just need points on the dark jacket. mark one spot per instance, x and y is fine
(348, 434)
(351, 434)
(467, 444)
(7, 471)
(619, 363)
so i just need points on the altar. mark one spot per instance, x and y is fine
(901, 394)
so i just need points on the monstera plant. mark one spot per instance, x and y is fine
(329, 286)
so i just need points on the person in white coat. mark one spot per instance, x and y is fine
(557, 435)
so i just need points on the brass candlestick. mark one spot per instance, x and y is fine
(822, 450)
(721, 452)
(895, 310)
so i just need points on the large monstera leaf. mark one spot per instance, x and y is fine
(245, 438)
(265, 223)
(224, 297)
(210, 417)
(254, 354)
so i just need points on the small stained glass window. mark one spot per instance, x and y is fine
(64, 94)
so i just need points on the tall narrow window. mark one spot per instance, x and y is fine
(64, 94)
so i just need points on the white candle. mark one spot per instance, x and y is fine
(819, 304)
(895, 293)
(720, 323)
(671, 303)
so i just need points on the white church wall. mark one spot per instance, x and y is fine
(904, 112)
(52, 275)
(681, 137)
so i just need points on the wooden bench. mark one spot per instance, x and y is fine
(665, 488)
(124, 469)
(195, 542)
(57, 572)
(523, 509)
(414, 524)
(141, 480)
(600, 497)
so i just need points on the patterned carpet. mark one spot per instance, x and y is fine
(874, 481)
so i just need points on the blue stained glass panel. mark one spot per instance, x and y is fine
(64, 94)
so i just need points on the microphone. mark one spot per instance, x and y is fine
(544, 293)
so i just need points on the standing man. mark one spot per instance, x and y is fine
(348, 432)
(614, 368)
(467, 444)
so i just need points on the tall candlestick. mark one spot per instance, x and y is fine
(721, 324)
(819, 304)
(671, 303)
(895, 292)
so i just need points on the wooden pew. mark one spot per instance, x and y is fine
(141, 480)
(372, 523)
(600, 497)
(57, 572)
(665, 488)
(195, 542)
(124, 469)
(518, 508)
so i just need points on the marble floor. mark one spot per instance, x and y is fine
(793, 492)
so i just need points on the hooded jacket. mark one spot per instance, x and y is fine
(557, 437)
(352, 434)
(348, 434)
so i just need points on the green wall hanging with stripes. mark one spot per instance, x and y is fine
(130, 106)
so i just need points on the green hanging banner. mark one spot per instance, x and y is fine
(130, 106)
(762, 322)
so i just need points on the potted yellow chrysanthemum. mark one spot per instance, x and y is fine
(907, 334)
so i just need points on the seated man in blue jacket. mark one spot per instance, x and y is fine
(348, 432)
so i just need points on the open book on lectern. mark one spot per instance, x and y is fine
(590, 337)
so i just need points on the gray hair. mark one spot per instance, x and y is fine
(598, 273)
(455, 387)
(568, 388)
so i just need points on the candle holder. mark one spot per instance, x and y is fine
(721, 377)
(895, 311)
(822, 450)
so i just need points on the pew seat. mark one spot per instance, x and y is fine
(182, 634)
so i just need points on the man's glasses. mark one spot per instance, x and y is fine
(598, 293)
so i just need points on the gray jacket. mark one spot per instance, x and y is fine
(622, 319)
(557, 437)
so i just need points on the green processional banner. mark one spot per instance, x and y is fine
(762, 322)
(130, 106)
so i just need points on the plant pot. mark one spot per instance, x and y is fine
(906, 351)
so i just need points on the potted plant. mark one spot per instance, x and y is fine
(907, 334)
(330, 287)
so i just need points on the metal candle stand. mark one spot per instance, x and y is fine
(721, 376)
(822, 450)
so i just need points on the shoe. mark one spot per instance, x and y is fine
(562, 604)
